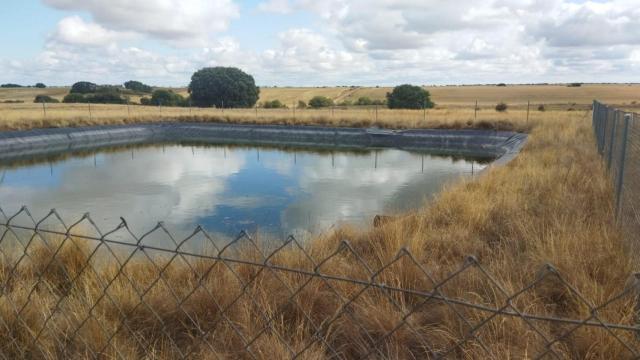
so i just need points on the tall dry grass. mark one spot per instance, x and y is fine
(27, 116)
(552, 204)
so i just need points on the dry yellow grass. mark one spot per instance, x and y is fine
(26, 116)
(551, 204)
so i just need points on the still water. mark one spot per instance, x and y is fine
(226, 189)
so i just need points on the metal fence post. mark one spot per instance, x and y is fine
(623, 156)
(612, 138)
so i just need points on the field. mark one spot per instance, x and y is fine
(458, 96)
(552, 204)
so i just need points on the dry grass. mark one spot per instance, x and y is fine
(27, 116)
(551, 204)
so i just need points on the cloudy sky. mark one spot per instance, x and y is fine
(329, 42)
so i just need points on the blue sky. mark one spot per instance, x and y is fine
(312, 43)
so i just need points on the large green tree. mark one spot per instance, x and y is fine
(409, 97)
(83, 87)
(226, 87)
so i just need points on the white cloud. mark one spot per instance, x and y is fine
(191, 21)
(74, 30)
(275, 6)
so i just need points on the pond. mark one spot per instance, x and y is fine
(226, 189)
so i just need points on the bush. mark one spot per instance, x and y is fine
(167, 98)
(40, 86)
(302, 104)
(502, 85)
(409, 97)
(10, 86)
(273, 104)
(364, 101)
(320, 102)
(541, 108)
(574, 85)
(224, 87)
(45, 99)
(83, 87)
(106, 98)
(137, 86)
(502, 107)
(145, 101)
(73, 98)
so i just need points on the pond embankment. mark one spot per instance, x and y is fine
(503, 145)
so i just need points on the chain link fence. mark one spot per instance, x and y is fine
(618, 140)
(76, 291)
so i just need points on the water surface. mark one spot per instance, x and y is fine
(229, 188)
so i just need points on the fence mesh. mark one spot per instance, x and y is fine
(76, 291)
(618, 140)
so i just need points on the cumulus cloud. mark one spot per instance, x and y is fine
(74, 30)
(173, 20)
(368, 42)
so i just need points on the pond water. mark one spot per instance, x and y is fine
(227, 189)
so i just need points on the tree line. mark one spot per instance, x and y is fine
(226, 87)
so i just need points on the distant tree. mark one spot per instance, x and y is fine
(541, 108)
(223, 87)
(83, 87)
(166, 98)
(574, 84)
(45, 99)
(502, 107)
(137, 86)
(10, 86)
(302, 104)
(320, 102)
(273, 104)
(502, 85)
(409, 97)
(40, 86)
(379, 102)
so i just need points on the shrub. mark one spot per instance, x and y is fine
(574, 85)
(106, 98)
(83, 87)
(345, 103)
(10, 86)
(302, 104)
(137, 86)
(45, 99)
(223, 87)
(167, 98)
(541, 108)
(502, 85)
(364, 101)
(273, 104)
(40, 85)
(409, 97)
(74, 98)
(502, 107)
(320, 102)
(379, 102)
(145, 101)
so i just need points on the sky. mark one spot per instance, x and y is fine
(321, 43)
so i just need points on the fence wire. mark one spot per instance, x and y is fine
(76, 291)
(618, 140)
